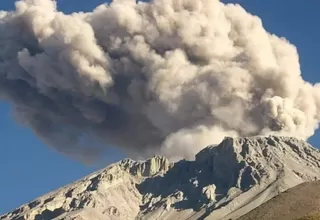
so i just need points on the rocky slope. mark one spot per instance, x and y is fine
(223, 182)
(300, 202)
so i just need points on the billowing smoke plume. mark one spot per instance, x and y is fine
(165, 77)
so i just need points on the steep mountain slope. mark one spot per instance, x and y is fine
(223, 182)
(296, 203)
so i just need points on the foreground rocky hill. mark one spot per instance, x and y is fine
(223, 182)
(300, 202)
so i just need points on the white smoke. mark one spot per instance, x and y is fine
(165, 77)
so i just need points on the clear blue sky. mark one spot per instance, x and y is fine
(29, 169)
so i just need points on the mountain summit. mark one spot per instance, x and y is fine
(223, 182)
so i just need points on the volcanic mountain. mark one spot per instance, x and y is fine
(223, 182)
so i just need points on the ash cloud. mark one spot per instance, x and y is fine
(162, 77)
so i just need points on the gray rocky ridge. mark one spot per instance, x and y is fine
(223, 182)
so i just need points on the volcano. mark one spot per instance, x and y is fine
(223, 182)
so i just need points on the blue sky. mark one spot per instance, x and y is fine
(29, 169)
